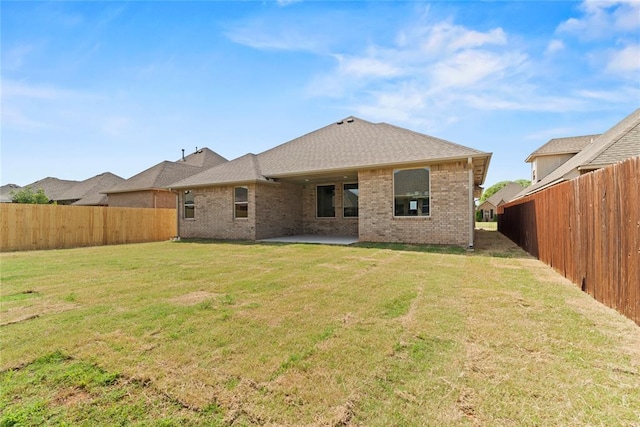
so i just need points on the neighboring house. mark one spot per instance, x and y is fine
(53, 187)
(489, 207)
(619, 143)
(89, 191)
(374, 181)
(554, 153)
(6, 190)
(148, 189)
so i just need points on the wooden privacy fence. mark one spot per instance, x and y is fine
(30, 227)
(588, 230)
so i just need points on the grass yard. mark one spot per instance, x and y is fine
(197, 333)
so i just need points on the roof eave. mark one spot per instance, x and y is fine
(222, 184)
(386, 165)
(135, 190)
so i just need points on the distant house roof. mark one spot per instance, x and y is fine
(505, 194)
(569, 145)
(53, 187)
(203, 158)
(620, 142)
(5, 192)
(162, 175)
(348, 144)
(88, 192)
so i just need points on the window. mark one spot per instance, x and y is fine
(189, 205)
(325, 200)
(350, 200)
(411, 191)
(241, 201)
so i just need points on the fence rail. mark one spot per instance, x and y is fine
(31, 227)
(588, 230)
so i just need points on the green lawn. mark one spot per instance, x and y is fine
(197, 333)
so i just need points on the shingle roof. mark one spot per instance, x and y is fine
(94, 195)
(349, 144)
(159, 176)
(90, 188)
(162, 175)
(620, 142)
(203, 158)
(5, 192)
(52, 187)
(505, 194)
(569, 145)
(242, 169)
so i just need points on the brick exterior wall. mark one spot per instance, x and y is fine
(278, 209)
(337, 226)
(214, 215)
(281, 209)
(143, 199)
(450, 218)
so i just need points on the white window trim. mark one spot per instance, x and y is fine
(235, 203)
(184, 205)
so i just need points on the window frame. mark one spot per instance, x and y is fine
(357, 207)
(333, 204)
(188, 204)
(428, 198)
(237, 203)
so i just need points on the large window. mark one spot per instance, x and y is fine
(189, 205)
(411, 191)
(241, 202)
(325, 201)
(350, 200)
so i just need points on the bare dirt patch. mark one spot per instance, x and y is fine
(194, 298)
(494, 243)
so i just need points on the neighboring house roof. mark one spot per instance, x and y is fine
(620, 142)
(569, 145)
(203, 158)
(349, 144)
(155, 178)
(89, 191)
(505, 194)
(162, 175)
(53, 187)
(5, 192)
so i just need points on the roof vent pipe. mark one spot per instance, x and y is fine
(183, 154)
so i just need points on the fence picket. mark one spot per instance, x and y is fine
(588, 230)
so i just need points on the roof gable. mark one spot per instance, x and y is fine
(616, 144)
(242, 169)
(568, 145)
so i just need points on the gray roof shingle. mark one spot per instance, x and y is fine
(159, 176)
(348, 144)
(89, 190)
(52, 187)
(568, 145)
(620, 142)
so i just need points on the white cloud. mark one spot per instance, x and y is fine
(625, 61)
(554, 46)
(362, 67)
(601, 19)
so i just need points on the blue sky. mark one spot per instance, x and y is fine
(90, 87)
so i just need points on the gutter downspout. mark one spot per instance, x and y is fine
(471, 204)
(177, 215)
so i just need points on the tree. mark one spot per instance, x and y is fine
(27, 195)
(524, 183)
